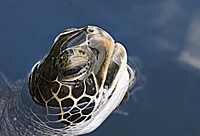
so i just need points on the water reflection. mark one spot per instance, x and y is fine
(191, 54)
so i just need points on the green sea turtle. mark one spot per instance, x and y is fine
(72, 90)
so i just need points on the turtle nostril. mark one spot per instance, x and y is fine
(90, 30)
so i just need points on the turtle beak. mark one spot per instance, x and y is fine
(74, 37)
(68, 39)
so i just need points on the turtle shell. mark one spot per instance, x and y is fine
(80, 81)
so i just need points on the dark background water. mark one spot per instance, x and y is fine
(161, 36)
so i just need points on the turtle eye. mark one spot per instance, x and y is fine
(74, 70)
(73, 63)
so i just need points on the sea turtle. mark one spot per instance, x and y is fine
(72, 90)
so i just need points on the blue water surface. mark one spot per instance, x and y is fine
(161, 36)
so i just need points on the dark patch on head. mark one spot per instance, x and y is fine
(97, 96)
(66, 115)
(53, 102)
(80, 119)
(54, 87)
(66, 109)
(77, 90)
(74, 117)
(63, 92)
(74, 110)
(112, 72)
(87, 110)
(89, 117)
(90, 86)
(83, 102)
(67, 102)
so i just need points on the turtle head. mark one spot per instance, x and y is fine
(73, 76)
(75, 54)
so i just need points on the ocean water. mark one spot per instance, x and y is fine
(162, 38)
